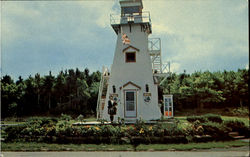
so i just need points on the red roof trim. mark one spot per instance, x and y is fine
(131, 84)
(130, 47)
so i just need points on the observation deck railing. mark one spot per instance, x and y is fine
(143, 17)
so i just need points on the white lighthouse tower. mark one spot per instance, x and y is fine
(132, 80)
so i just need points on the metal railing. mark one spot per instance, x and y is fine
(135, 18)
(105, 73)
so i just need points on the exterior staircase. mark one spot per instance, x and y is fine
(159, 69)
(102, 92)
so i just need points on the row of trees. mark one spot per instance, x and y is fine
(208, 90)
(75, 92)
(71, 92)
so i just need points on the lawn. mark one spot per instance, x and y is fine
(19, 146)
(183, 119)
(243, 119)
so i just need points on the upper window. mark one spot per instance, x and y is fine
(130, 57)
(130, 10)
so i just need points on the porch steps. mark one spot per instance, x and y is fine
(235, 135)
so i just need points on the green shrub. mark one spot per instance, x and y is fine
(216, 130)
(197, 128)
(239, 126)
(240, 111)
(234, 124)
(63, 128)
(192, 119)
(49, 130)
(158, 130)
(205, 118)
(13, 132)
(213, 118)
(42, 120)
(80, 118)
(131, 130)
(172, 129)
(65, 117)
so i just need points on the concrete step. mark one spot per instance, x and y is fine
(233, 134)
(239, 137)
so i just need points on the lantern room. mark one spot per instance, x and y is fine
(131, 7)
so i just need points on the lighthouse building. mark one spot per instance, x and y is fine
(132, 80)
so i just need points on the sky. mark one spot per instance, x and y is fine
(196, 35)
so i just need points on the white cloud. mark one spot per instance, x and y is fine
(100, 8)
(161, 29)
(175, 67)
(12, 11)
(196, 32)
(20, 20)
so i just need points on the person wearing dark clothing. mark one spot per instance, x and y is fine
(110, 105)
(114, 108)
(111, 109)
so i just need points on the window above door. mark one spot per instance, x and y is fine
(130, 54)
(130, 57)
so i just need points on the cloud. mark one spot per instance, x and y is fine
(162, 29)
(198, 32)
(50, 35)
(175, 67)
(43, 36)
(102, 9)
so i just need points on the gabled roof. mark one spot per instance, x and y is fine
(132, 47)
(130, 83)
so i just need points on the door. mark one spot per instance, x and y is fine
(130, 103)
(168, 105)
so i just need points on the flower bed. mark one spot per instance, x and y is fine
(62, 131)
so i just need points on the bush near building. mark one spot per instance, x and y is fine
(61, 130)
(205, 118)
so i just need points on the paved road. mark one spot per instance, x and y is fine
(127, 154)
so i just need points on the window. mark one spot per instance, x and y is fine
(130, 57)
(130, 101)
(114, 89)
(147, 88)
(130, 10)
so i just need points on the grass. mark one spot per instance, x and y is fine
(243, 119)
(90, 119)
(226, 111)
(13, 120)
(33, 146)
(182, 118)
(191, 146)
(19, 146)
